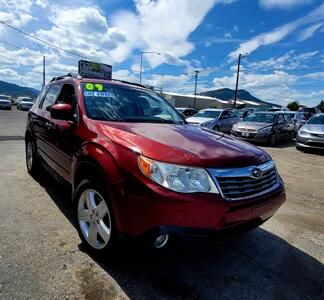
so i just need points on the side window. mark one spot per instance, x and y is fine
(50, 97)
(231, 114)
(225, 115)
(281, 119)
(67, 95)
(40, 97)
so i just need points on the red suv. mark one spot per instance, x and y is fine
(138, 169)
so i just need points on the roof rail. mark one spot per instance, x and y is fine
(65, 76)
(131, 83)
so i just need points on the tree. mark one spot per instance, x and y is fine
(321, 106)
(294, 105)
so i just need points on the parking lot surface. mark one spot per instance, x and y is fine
(41, 256)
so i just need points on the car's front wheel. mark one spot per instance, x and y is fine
(94, 217)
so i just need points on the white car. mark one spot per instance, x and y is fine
(204, 115)
(24, 103)
(5, 102)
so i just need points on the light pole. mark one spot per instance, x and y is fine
(196, 79)
(237, 76)
(143, 52)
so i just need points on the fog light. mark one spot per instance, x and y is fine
(161, 241)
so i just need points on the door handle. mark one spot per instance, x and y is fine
(48, 125)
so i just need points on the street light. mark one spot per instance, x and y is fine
(143, 52)
(196, 78)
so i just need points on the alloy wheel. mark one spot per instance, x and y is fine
(94, 219)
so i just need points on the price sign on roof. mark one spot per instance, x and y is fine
(89, 69)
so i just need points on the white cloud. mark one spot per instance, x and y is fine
(309, 32)
(278, 33)
(288, 61)
(270, 4)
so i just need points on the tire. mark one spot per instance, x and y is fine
(273, 140)
(94, 217)
(32, 160)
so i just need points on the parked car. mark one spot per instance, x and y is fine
(24, 103)
(141, 172)
(311, 135)
(5, 102)
(297, 119)
(224, 121)
(274, 109)
(187, 112)
(264, 127)
(310, 110)
(204, 115)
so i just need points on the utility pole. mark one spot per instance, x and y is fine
(196, 79)
(237, 79)
(43, 72)
(141, 67)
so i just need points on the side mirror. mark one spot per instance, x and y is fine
(62, 111)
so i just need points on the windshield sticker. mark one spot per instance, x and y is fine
(90, 86)
(98, 94)
(99, 87)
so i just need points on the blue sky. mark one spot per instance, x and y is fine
(282, 42)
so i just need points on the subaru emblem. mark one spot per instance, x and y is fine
(256, 173)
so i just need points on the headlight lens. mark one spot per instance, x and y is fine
(303, 132)
(265, 130)
(234, 127)
(181, 179)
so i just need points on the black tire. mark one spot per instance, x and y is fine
(93, 184)
(273, 140)
(33, 163)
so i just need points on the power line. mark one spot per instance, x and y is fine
(42, 41)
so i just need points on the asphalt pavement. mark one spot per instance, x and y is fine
(41, 255)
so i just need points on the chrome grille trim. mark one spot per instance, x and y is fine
(238, 184)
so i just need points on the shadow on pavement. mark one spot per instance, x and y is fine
(259, 265)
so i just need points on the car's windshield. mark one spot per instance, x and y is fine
(27, 99)
(109, 102)
(208, 114)
(316, 120)
(262, 118)
(180, 110)
(4, 97)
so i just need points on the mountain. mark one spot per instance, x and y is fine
(15, 90)
(227, 94)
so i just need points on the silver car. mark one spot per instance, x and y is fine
(5, 102)
(311, 135)
(223, 122)
(24, 103)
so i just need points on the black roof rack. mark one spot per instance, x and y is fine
(131, 83)
(65, 76)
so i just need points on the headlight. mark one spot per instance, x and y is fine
(234, 127)
(265, 130)
(205, 124)
(303, 132)
(181, 179)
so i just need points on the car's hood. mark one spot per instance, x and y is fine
(198, 120)
(313, 128)
(183, 144)
(244, 125)
(5, 101)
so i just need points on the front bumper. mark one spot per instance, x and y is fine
(5, 106)
(252, 136)
(144, 209)
(310, 141)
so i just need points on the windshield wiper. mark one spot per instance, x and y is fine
(150, 120)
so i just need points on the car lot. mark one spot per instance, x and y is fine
(41, 255)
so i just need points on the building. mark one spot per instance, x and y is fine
(181, 100)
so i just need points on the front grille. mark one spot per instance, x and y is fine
(239, 183)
